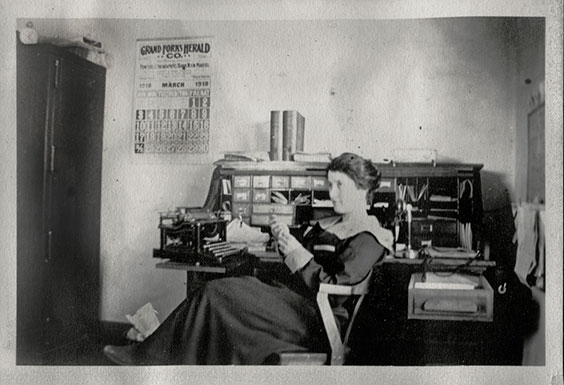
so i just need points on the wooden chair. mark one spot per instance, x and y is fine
(338, 343)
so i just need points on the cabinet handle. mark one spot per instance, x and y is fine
(57, 63)
(49, 246)
(52, 159)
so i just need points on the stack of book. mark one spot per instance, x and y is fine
(286, 134)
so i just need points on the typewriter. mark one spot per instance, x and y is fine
(194, 235)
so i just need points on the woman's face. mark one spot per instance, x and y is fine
(344, 193)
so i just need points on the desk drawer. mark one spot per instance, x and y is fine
(387, 185)
(263, 219)
(261, 181)
(280, 181)
(319, 183)
(300, 182)
(261, 195)
(241, 195)
(273, 208)
(450, 304)
(241, 181)
(243, 209)
(435, 232)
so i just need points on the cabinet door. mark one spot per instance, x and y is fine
(74, 184)
(33, 86)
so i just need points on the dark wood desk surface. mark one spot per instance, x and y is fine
(270, 257)
(191, 267)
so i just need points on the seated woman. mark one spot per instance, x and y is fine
(244, 320)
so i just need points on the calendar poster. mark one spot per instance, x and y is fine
(172, 96)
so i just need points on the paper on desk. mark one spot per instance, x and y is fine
(450, 252)
(145, 320)
(451, 281)
(239, 231)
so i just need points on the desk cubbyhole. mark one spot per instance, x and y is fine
(322, 212)
(444, 187)
(304, 214)
(384, 207)
(443, 198)
(321, 199)
(301, 197)
(281, 196)
(415, 191)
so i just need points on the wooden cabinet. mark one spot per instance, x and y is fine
(60, 111)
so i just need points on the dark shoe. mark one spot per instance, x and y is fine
(121, 355)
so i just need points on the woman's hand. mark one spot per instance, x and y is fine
(286, 241)
(277, 228)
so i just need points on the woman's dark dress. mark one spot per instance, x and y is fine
(244, 320)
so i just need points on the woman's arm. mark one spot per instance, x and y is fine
(296, 256)
(346, 266)
(343, 267)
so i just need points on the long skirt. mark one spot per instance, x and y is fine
(235, 321)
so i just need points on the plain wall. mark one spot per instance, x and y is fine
(363, 86)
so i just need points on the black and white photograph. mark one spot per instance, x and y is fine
(281, 192)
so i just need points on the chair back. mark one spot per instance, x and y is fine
(337, 343)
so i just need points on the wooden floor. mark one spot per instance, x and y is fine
(90, 353)
(387, 350)
(86, 352)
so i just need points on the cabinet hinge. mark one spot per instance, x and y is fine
(52, 159)
(57, 70)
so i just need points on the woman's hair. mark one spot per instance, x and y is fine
(362, 171)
